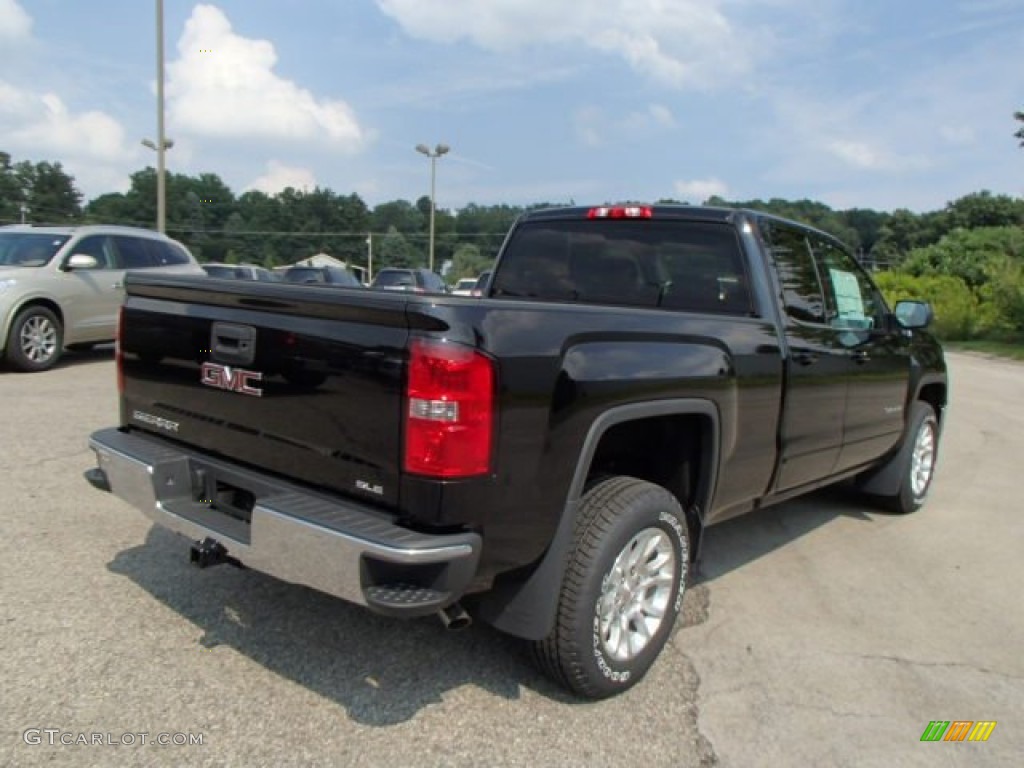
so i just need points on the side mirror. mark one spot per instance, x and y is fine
(82, 261)
(914, 314)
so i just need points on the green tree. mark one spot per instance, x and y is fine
(968, 254)
(956, 308)
(485, 226)
(49, 193)
(11, 197)
(395, 251)
(467, 261)
(400, 214)
(1003, 294)
(983, 209)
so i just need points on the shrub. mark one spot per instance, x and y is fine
(958, 315)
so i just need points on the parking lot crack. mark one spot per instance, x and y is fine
(903, 661)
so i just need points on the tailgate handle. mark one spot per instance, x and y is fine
(231, 343)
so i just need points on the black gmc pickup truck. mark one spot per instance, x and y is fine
(545, 458)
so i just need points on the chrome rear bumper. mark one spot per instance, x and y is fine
(336, 546)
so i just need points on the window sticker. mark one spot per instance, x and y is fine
(849, 300)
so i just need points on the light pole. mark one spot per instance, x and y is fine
(162, 142)
(440, 149)
(369, 257)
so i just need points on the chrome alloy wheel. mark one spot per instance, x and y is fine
(38, 338)
(635, 594)
(922, 460)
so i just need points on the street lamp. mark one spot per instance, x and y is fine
(162, 143)
(440, 149)
(161, 187)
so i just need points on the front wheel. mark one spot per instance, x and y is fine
(35, 340)
(622, 590)
(919, 462)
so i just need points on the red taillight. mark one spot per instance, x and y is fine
(119, 351)
(621, 212)
(450, 410)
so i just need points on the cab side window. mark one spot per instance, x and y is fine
(853, 302)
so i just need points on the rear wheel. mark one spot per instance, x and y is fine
(622, 590)
(35, 340)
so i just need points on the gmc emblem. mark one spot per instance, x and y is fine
(231, 379)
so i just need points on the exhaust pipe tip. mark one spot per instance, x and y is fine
(454, 617)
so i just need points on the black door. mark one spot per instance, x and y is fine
(877, 353)
(817, 365)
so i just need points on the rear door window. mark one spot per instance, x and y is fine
(133, 251)
(802, 293)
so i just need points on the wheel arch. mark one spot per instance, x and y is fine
(31, 301)
(527, 609)
(885, 479)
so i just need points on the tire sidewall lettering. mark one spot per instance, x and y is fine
(669, 523)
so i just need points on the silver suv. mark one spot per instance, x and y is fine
(61, 287)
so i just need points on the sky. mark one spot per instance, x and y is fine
(879, 104)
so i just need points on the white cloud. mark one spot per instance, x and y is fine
(857, 154)
(587, 122)
(280, 176)
(661, 115)
(681, 43)
(43, 123)
(223, 85)
(91, 145)
(958, 134)
(699, 190)
(15, 24)
(594, 127)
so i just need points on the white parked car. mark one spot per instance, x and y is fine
(61, 287)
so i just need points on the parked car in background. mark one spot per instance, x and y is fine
(61, 287)
(464, 287)
(481, 284)
(415, 280)
(241, 272)
(328, 275)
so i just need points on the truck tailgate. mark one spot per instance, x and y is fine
(302, 381)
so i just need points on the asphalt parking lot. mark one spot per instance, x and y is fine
(821, 632)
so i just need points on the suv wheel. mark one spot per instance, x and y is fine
(622, 590)
(35, 340)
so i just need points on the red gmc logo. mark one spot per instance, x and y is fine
(231, 379)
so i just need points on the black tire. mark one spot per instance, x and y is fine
(35, 341)
(918, 463)
(618, 517)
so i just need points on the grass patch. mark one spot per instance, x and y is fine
(1013, 350)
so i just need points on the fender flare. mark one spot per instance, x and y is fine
(527, 609)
